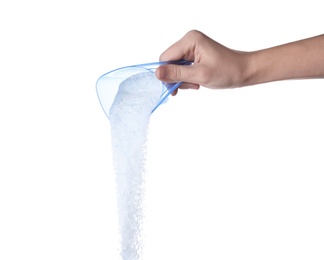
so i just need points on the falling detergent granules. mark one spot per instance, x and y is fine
(129, 117)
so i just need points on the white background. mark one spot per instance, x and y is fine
(232, 174)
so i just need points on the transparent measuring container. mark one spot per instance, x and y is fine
(107, 85)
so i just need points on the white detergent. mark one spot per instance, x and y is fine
(129, 118)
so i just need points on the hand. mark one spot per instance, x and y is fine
(215, 66)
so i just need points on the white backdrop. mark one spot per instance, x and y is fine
(232, 174)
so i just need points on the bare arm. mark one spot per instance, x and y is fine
(216, 66)
(302, 59)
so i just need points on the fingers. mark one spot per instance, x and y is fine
(185, 85)
(182, 49)
(176, 73)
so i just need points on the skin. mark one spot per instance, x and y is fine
(215, 66)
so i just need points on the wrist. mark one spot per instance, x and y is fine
(247, 69)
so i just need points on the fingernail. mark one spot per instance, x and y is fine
(160, 73)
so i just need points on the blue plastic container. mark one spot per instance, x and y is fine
(107, 85)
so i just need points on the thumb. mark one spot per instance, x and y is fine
(175, 73)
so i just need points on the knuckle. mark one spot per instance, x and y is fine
(195, 34)
(176, 72)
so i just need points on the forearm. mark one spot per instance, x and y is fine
(302, 59)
